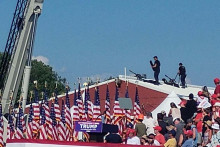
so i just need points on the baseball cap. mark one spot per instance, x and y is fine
(208, 122)
(141, 116)
(200, 93)
(157, 128)
(216, 80)
(131, 131)
(217, 104)
(163, 112)
(150, 136)
(188, 132)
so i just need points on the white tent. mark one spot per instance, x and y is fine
(165, 105)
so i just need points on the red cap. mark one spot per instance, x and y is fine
(189, 133)
(200, 93)
(157, 128)
(216, 80)
(131, 131)
(214, 96)
(141, 116)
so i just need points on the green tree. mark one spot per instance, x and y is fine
(42, 73)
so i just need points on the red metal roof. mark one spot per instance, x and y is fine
(149, 98)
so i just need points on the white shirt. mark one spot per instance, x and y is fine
(215, 139)
(156, 142)
(150, 124)
(134, 140)
(201, 98)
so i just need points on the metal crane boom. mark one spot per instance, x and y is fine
(22, 53)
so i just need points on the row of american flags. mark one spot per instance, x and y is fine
(57, 123)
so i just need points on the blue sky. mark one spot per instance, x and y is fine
(98, 38)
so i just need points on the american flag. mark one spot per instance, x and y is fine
(137, 109)
(42, 114)
(43, 125)
(10, 127)
(20, 126)
(46, 107)
(96, 107)
(75, 115)
(107, 108)
(75, 108)
(36, 108)
(56, 107)
(52, 128)
(68, 118)
(62, 128)
(127, 112)
(1, 127)
(88, 105)
(81, 106)
(30, 121)
(117, 111)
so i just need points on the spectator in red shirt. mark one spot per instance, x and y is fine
(159, 137)
(214, 99)
(198, 120)
(217, 88)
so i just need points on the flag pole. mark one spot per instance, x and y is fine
(125, 74)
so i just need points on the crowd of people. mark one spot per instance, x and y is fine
(194, 123)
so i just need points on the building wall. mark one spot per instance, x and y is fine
(149, 99)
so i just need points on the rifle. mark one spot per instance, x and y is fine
(139, 76)
(172, 81)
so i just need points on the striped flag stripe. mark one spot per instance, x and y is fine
(43, 132)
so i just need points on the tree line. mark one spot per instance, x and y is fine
(42, 73)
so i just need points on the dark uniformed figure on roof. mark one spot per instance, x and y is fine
(182, 74)
(156, 69)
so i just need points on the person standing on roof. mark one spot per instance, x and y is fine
(156, 69)
(182, 74)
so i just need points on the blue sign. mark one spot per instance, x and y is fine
(88, 126)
